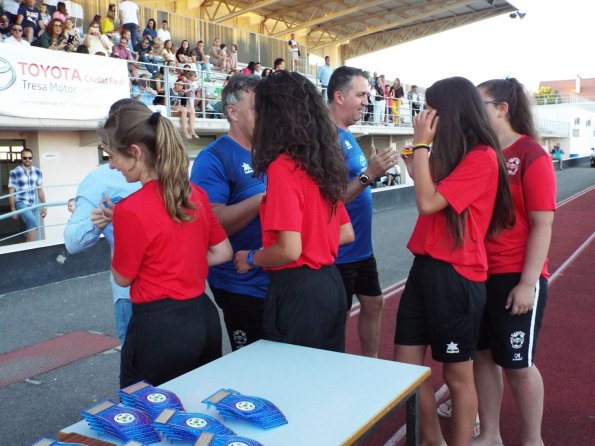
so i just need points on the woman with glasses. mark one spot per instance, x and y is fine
(165, 238)
(462, 195)
(96, 42)
(52, 38)
(302, 214)
(517, 269)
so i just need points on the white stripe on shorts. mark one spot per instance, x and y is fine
(532, 327)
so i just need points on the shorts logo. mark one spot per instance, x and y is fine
(517, 357)
(240, 338)
(512, 165)
(517, 339)
(452, 348)
(247, 168)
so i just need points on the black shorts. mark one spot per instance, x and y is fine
(305, 306)
(168, 338)
(512, 339)
(243, 316)
(441, 308)
(360, 278)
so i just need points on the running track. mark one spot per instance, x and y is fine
(565, 352)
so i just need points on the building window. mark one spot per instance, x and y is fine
(588, 123)
(576, 133)
(577, 121)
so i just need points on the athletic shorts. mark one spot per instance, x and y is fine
(305, 306)
(360, 278)
(512, 339)
(167, 338)
(440, 308)
(243, 316)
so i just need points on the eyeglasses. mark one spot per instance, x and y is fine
(18, 30)
(58, 24)
(26, 157)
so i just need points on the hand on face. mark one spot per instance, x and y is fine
(424, 126)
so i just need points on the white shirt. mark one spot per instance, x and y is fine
(12, 41)
(163, 34)
(12, 6)
(129, 12)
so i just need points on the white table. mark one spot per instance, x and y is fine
(328, 398)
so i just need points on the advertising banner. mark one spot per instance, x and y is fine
(40, 83)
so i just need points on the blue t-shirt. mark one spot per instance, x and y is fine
(224, 170)
(360, 209)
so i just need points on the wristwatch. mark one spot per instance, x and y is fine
(364, 179)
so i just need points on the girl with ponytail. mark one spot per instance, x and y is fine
(165, 238)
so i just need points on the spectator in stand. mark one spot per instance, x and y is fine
(150, 30)
(249, 69)
(11, 10)
(157, 47)
(5, 28)
(216, 53)
(144, 53)
(257, 68)
(414, 102)
(24, 187)
(200, 59)
(163, 32)
(190, 91)
(178, 107)
(379, 100)
(233, 58)
(294, 52)
(96, 42)
(279, 64)
(266, 72)
(71, 34)
(108, 25)
(128, 12)
(183, 53)
(29, 18)
(142, 91)
(158, 84)
(126, 34)
(53, 39)
(61, 12)
(17, 36)
(224, 58)
(167, 53)
(396, 93)
(323, 74)
(121, 49)
(45, 17)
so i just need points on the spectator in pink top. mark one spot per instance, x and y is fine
(120, 50)
(60, 12)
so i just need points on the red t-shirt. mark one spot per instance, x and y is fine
(292, 202)
(163, 257)
(472, 185)
(533, 187)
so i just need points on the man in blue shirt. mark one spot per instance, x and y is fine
(348, 96)
(224, 170)
(324, 75)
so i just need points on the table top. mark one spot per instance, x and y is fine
(328, 398)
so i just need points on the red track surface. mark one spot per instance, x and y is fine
(565, 352)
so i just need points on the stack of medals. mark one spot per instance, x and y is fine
(178, 425)
(126, 423)
(208, 439)
(49, 441)
(232, 404)
(149, 399)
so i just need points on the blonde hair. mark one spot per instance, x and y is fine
(132, 123)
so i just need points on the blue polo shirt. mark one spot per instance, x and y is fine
(224, 170)
(360, 209)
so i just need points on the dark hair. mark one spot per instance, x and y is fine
(266, 72)
(278, 61)
(235, 88)
(154, 24)
(513, 93)
(250, 66)
(291, 118)
(185, 52)
(464, 124)
(27, 150)
(129, 124)
(82, 49)
(341, 80)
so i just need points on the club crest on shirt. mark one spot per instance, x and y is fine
(517, 339)
(348, 145)
(512, 165)
(247, 168)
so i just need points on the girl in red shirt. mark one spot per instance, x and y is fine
(462, 195)
(517, 268)
(303, 218)
(165, 237)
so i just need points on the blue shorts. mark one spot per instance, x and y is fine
(29, 217)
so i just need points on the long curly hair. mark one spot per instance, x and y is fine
(463, 125)
(291, 118)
